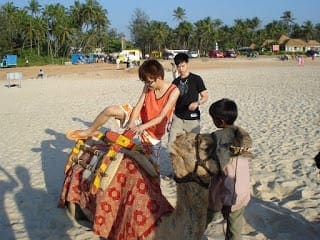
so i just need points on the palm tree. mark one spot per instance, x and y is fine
(10, 20)
(217, 33)
(317, 31)
(93, 14)
(179, 14)
(204, 32)
(308, 30)
(275, 29)
(159, 32)
(33, 7)
(243, 31)
(297, 31)
(95, 21)
(239, 30)
(139, 29)
(288, 20)
(39, 32)
(252, 27)
(102, 24)
(76, 15)
(184, 31)
(54, 15)
(253, 23)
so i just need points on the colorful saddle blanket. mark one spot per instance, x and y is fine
(130, 204)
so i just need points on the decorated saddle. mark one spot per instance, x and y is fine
(115, 185)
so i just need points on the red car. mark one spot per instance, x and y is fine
(216, 54)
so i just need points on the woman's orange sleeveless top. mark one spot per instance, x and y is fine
(152, 108)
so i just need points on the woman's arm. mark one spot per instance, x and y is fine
(168, 106)
(136, 110)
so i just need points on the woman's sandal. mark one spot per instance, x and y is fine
(74, 135)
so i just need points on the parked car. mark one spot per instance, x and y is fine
(216, 54)
(252, 54)
(168, 55)
(193, 54)
(230, 53)
(248, 51)
(314, 53)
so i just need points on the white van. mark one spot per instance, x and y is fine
(130, 55)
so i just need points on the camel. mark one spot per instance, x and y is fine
(188, 221)
(193, 163)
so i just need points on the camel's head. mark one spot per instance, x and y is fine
(191, 155)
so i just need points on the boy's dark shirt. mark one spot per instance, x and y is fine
(189, 87)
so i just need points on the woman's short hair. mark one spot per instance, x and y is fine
(151, 69)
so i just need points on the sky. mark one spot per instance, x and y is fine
(120, 12)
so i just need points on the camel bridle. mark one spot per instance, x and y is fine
(193, 176)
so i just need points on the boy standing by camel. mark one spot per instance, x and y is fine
(230, 190)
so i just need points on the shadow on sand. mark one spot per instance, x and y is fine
(40, 216)
(279, 223)
(6, 186)
(43, 204)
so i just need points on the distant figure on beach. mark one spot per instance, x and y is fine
(229, 192)
(118, 62)
(300, 60)
(284, 57)
(40, 74)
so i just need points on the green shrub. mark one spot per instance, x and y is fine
(35, 60)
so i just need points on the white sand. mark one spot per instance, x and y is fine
(278, 103)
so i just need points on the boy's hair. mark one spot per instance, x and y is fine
(151, 69)
(181, 57)
(224, 109)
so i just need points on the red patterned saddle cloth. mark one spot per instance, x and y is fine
(129, 208)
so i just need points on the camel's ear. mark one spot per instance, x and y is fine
(242, 138)
(206, 145)
(178, 165)
(182, 154)
(183, 144)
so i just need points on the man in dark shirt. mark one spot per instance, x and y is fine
(193, 93)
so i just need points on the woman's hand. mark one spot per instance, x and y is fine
(137, 129)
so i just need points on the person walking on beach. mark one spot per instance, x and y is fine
(300, 60)
(186, 116)
(40, 74)
(229, 192)
(118, 62)
(149, 117)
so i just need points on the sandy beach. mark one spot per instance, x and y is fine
(278, 103)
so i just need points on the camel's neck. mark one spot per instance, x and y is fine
(188, 221)
(191, 210)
